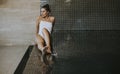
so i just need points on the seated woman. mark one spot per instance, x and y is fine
(44, 28)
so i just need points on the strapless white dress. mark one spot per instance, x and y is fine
(46, 25)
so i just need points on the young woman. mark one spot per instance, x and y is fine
(44, 28)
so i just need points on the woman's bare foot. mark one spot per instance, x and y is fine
(43, 50)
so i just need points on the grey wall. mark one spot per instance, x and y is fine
(17, 21)
(86, 14)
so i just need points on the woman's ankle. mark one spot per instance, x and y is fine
(49, 49)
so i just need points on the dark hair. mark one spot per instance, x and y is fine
(47, 7)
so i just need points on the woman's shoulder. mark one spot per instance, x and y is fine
(52, 18)
(39, 17)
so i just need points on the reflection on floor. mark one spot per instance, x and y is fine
(81, 52)
(34, 64)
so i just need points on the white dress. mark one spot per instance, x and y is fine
(46, 25)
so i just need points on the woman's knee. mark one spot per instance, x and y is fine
(40, 46)
(40, 40)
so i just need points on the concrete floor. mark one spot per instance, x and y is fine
(10, 57)
(86, 52)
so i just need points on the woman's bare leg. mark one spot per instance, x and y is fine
(40, 42)
(47, 39)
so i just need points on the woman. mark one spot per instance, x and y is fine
(44, 27)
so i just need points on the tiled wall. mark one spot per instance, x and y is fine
(86, 14)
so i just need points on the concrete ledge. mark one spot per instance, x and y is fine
(24, 60)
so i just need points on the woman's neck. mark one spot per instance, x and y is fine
(46, 17)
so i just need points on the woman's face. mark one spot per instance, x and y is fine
(44, 12)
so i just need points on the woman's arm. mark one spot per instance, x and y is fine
(53, 20)
(37, 26)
